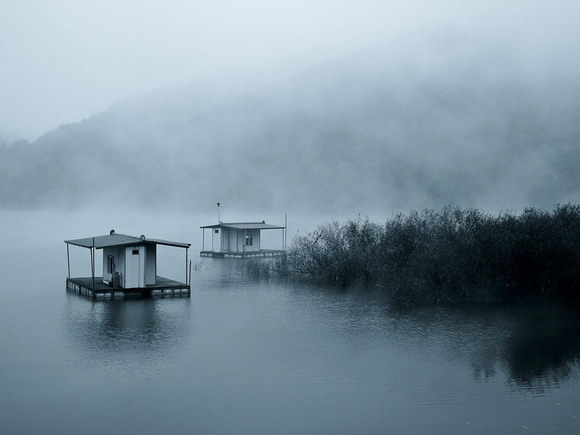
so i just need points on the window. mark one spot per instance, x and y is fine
(135, 252)
(249, 241)
(216, 231)
(110, 264)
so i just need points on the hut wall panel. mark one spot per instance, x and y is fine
(242, 240)
(216, 240)
(233, 241)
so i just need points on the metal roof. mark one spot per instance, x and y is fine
(116, 239)
(245, 226)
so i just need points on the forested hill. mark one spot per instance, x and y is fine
(377, 131)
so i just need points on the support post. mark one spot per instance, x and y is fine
(186, 263)
(68, 260)
(189, 284)
(93, 263)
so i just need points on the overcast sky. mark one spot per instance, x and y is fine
(63, 60)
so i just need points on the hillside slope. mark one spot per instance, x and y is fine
(379, 131)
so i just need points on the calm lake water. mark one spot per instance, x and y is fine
(241, 356)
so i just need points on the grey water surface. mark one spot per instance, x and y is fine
(247, 356)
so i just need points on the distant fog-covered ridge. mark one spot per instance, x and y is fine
(357, 136)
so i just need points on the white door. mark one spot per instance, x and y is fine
(134, 262)
(226, 239)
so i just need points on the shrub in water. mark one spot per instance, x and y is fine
(453, 255)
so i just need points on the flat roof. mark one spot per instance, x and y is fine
(245, 226)
(116, 239)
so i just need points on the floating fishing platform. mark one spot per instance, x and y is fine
(162, 287)
(240, 240)
(129, 267)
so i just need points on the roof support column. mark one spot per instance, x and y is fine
(68, 260)
(93, 262)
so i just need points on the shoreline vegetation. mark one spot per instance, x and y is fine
(449, 256)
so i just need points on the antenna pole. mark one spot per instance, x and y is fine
(218, 204)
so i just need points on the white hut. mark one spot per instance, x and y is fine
(129, 263)
(240, 239)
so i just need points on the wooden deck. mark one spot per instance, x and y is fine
(163, 286)
(249, 254)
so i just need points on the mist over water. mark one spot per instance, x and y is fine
(250, 356)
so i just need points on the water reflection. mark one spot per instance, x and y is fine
(127, 328)
(536, 346)
(543, 347)
(533, 347)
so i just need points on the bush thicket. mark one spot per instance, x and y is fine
(448, 256)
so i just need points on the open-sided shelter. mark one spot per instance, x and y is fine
(129, 265)
(240, 239)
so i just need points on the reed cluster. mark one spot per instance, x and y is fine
(448, 256)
